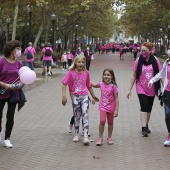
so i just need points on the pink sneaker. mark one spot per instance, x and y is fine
(110, 141)
(99, 142)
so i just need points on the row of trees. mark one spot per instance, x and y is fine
(149, 19)
(89, 18)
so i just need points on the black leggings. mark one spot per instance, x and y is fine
(146, 102)
(9, 116)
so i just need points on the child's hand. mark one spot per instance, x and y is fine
(64, 101)
(96, 99)
(116, 114)
(128, 94)
(93, 101)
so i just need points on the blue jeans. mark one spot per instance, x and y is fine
(30, 65)
(167, 111)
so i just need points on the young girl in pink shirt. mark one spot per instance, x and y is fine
(78, 80)
(109, 104)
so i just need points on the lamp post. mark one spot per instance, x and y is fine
(29, 9)
(76, 26)
(8, 21)
(53, 17)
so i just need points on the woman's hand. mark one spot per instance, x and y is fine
(150, 84)
(6, 86)
(128, 94)
(64, 101)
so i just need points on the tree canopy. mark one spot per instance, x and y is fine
(96, 17)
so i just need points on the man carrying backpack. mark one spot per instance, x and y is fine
(47, 53)
(29, 56)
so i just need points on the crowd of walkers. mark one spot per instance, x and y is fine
(147, 74)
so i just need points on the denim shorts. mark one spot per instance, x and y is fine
(46, 63)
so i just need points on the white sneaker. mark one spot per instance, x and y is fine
(1, 135)
(88, 134)
(49, 73)
(63, 69)
(167, 142)
(86, 141)
(70, 128)
(7, 143)
(76, 138)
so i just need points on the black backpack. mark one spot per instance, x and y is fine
(29, 55)
(48, 52)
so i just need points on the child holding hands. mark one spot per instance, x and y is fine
(108, 105)
(78, 80)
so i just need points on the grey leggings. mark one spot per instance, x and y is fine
(81, 108)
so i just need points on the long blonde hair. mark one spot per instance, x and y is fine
(73, 65)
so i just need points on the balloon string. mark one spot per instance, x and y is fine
(15, 80)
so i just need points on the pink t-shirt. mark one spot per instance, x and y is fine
(107, 99)
(47, 58)
(146, 75)
(32, 50)
(9, 74)
(70, 56)
(168, 77)
(78, 83)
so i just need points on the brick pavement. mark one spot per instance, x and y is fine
(41, 140)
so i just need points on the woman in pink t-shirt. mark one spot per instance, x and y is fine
(78, 80)
(109, 104)
(145, 67)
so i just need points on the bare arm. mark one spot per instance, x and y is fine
(94, 85)
(5, 85)
(64, 98)
(117, 105)
(94, 98)
(132, 81)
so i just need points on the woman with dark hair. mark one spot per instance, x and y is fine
(145, 67)
(9, 67)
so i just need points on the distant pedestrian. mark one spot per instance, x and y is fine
(64, 60)
(79, 51)
(29, 56)
(165, 72)
(145, 67)
(88, 54)
(69, 58)
(121, 50)
(78, 80)
(47, 53)
(10, 85)
(135, 51)
(108, 105)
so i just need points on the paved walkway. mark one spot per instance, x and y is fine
(41, 140)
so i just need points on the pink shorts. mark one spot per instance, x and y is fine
(103, 115)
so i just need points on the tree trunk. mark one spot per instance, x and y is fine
(38, 35)
(15, 19)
